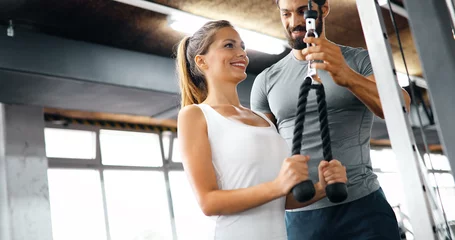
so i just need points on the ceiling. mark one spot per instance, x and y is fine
(123, 26)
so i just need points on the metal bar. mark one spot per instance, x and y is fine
(98, 164)
(397, 120)
(63, 165)
(451, 7)
(171, 147)
(72, 126)
(98, 159)
(395, 8)
(430, 22)
(73, 161)
(438, 171)
(106, 214)
(168, 189)
(84, 164)
(97, 128)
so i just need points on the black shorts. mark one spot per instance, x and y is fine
(368, 218)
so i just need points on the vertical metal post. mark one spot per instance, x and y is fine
(432, 33)
(99, 163)
(166, 164)
(451, 7)
(397, 119)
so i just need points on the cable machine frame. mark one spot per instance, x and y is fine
(425, 214)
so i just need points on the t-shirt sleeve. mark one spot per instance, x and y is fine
(258, 98)
(364, 63)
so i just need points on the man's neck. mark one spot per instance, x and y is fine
(298, 54)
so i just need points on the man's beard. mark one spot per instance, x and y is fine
(298, 42)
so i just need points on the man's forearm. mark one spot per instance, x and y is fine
(366, 90)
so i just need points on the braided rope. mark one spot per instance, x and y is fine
(324, 123)
(300, 118)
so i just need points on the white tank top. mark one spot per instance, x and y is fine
(244, 156)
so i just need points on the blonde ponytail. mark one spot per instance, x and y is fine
(190, 93)
(193, 85)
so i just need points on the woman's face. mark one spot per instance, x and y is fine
(226, 58)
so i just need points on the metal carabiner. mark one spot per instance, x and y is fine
(311, 31)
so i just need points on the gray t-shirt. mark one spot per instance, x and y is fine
(276, 91)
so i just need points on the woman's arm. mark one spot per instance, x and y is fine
(197, 162)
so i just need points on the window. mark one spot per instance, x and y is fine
(448, 198)
(443, 180)
(68, 143)
(137, 205)
(385, 167)
(392, 187)
(130, 148)
(384, 163)
(384, 160)
(76, 204)
(132, 201)
(134, 190)
(446, 185)
(176, 151)
(167, 136)
(190, 222)
(438, 162)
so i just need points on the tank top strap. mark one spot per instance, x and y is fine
(262, 115)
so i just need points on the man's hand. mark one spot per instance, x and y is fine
(331, 172)
(333, 60)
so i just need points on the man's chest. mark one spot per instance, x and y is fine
(284, 92)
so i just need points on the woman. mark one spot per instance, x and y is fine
(237, 164)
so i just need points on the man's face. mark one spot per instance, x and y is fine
(293, 20)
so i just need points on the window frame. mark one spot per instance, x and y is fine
(96, 164)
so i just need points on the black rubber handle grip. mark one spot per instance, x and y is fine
(304, 191)
(336, 192)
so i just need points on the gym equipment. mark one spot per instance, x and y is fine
(305, 191)
(426, 217)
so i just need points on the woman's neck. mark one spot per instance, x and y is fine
(225, 94)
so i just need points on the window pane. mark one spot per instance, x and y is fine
(130, 148)
(176, 151)
(65, 143)
(384, 159)
(438, 161)
(76, 205)
(393, 188)
(442, 180)
(166, 143)
(137, 205)
(190, 222)
(448, 200)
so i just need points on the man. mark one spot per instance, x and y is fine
(352, 101)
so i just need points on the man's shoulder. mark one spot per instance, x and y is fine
(348, 51)
(354, 55)
(279, 66)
